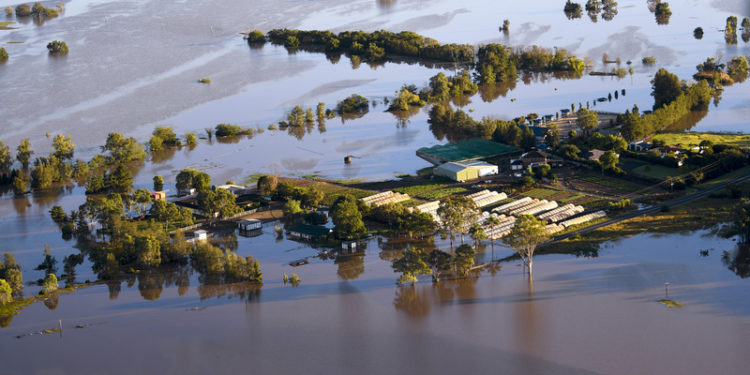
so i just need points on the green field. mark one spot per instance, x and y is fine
(440, 193)
(416, 189)
(690, 140)
(610, 182)
(656, 171)
(540, 193)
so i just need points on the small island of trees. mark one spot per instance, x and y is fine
(57, 47)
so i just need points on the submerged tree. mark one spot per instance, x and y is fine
(527, 233)
(410, 265)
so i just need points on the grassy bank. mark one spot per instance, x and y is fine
(689, 140)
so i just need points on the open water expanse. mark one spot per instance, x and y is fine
(133, 65)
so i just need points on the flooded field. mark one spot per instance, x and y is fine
(133, 65)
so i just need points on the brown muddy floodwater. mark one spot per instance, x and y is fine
(580, 315)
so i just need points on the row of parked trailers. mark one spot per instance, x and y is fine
(385, 198)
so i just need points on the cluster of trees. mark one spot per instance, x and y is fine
(497, 63)
(216, 203)
(662, 13)
(162, 137)
(442, 88)
(11, 279)
(230, 130)
(36, 10)
(224, 266)
(415, 261)
(353, 105)
(373, 46)
(401, 219)
(455, 125)
(405, 99)
(713, 71)
(674, 100)
(347, 218)
(607, 8)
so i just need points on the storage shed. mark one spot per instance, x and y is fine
(457, 172)
(249, 224)
(309, 232)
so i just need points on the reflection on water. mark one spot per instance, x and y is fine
(738, 260)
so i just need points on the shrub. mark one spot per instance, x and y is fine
(291, 42)
(3, 54)
(649, 60)
(23, 10)
(228, 130)
(58, 47)
(256, 37)
(205, 80)
(353, 104)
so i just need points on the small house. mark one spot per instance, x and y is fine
(639, 146)
(200, 235)
(564, 112)
(667, 149)
(309, 232)
(349, 246)
(534, 158)
(236, 190)
(159, 196)
(249, 224)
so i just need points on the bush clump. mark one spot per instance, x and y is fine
(256, 37)
(57, 47)
(353, 104)
(228, 130)
(3, 54)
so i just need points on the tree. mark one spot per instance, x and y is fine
(3, 55)
(524, 237)
(158, 183)
(123, 149)
(49, 265)
(608, 160)
(20, 184)
(23, 154)
(456, 214)
(464, 259)
(312, 197)
(121, 180)
(5, 159)
(149, 254)
(347, 219)
(292, 207)
(50, 283)
(219, 203)
(57, 47)
(552, 136)
(267, 184)
(440, 262)
(666, 87)
(477, 234)
(587, 120)
(410, 265)
(64, 147)
(6, 293)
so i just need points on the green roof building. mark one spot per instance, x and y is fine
(309, 232)
(471, 149)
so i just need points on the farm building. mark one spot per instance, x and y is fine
(159, 196)
(533, 158)
(471, 149)
(385, 197)
(483, 168)
(457, 172)
(309, 232)
(249, 224)
(200, 235)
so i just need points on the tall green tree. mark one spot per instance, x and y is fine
(411, 264)
(24, 152)
(456, 215)
(464, 259)
(5, 159)
(440, 262)
(666, 87)
(121, 180)
(527, 233)
(608, 160)
(587, 120)
(64, 147)
(347, 219)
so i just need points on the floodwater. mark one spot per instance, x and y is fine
(580, 315)
(133, 65)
